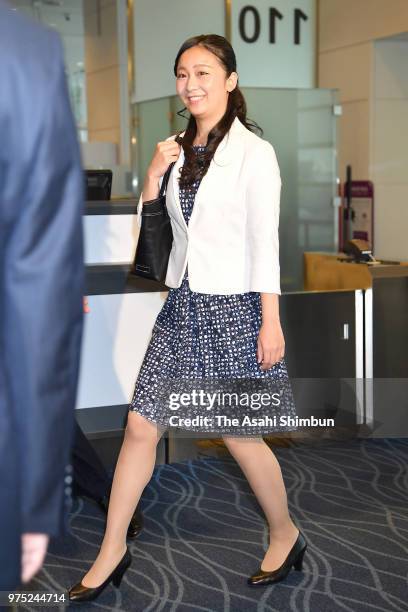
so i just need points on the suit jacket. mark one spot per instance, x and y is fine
(231, 242)
(41, 286)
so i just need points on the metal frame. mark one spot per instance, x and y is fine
(359, 346)
(369, 355)
(227, 27)
(131, 47)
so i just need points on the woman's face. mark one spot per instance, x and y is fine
(202, 83)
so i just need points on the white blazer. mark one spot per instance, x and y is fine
(231, 243)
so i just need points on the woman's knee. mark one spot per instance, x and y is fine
(237, 445)
(140, 429)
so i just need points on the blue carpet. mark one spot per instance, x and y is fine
(204, 534)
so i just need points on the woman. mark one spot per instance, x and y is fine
(226, 325)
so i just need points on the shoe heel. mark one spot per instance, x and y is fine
(298, 564)
(117, 577)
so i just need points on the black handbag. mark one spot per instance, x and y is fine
(155, 237)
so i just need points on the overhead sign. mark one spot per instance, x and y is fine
(274, 41)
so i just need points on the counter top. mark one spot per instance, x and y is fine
(105, 279)
(120, 206)
(333, 271)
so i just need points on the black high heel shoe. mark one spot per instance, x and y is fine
(79, 592)
(295, 558)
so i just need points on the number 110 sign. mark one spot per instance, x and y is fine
(274, 42)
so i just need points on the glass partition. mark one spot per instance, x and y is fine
(301, 126)
(67, 18)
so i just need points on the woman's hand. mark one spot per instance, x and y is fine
(271, 344)
(164, 154)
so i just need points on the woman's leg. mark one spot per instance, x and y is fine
(133, 471)
(261, 468)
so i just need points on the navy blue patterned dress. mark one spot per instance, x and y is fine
(200, 337)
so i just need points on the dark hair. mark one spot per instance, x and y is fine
(195, 166)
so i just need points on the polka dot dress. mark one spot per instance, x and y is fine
(208, 343)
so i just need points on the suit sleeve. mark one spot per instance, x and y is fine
(263, 205)
(43, 290)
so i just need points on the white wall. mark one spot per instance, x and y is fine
(116, 334)
(160, 28)
(110, 239)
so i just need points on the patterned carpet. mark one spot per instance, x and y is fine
(204, 534)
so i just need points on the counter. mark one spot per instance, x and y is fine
(385, 312)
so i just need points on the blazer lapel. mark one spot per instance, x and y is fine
(225, 153)
(176, 188)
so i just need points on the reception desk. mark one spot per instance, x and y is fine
(385, 310)
(333, 271)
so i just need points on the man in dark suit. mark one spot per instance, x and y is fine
(41, 289)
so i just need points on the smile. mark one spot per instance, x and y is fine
(195, 98)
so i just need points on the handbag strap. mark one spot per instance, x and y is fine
(166, 176)
(165, 180)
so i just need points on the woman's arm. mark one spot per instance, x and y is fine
(165, 153)
(271, 343)
(270, 307)
(151, 188)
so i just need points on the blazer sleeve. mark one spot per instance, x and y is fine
(43, 285)
(263, 205)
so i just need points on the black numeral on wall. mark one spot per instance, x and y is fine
(298, 16)
(274, 14)
(249, 24)
(243, 26)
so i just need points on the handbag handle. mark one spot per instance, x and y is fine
(165, 180)
(166, 176)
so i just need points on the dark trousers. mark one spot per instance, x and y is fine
(89, 474)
